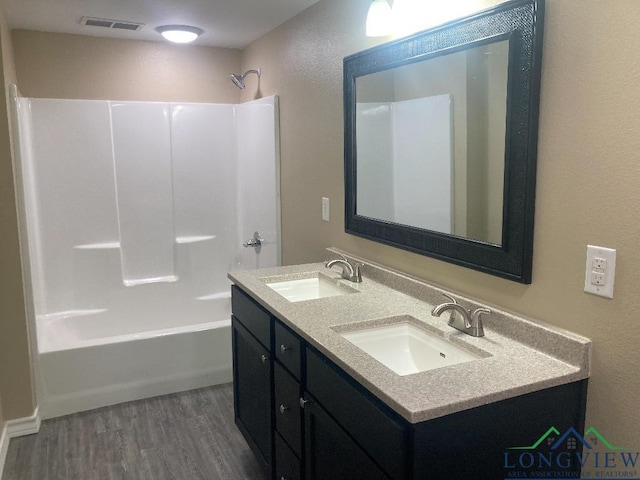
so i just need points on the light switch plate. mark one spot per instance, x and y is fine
(325, 209)
(600, 271)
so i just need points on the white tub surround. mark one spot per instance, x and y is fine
(134, 212)
(516, 356)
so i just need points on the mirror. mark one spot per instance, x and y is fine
(458, 116)
(440, 140)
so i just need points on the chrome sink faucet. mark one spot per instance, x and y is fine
(349, 272)
(462, 319)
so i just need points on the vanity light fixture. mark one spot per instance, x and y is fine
(411, 16)
(379, 19)
(179, 33)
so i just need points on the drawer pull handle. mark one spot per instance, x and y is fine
(283, 349)
(303, 402)
(283, 478)
(264, 358)
(283, 408)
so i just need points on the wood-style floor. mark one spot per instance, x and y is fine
(183, 436)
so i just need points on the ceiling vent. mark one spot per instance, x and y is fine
(115, 24)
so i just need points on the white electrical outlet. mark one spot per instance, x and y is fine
(600, 271)
(325, 209)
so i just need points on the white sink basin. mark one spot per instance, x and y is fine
(406, 348)
(309, 288)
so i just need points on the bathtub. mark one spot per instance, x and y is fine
(98, 357)
(127, 284)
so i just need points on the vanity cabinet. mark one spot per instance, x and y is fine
(267, 365)
(252, 375)
(306, 418)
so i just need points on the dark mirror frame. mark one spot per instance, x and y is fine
(520, 21)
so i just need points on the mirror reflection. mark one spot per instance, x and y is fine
(430, 139)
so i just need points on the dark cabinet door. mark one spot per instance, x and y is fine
(330, 453)
(252, 375)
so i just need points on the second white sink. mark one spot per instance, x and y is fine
(309, 288)
(406, 348)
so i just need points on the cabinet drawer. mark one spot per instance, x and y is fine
(288, 349)
(252, 316)
(378, 430)
(287, 408)
(287, 464)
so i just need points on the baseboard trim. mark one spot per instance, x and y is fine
(17, 428)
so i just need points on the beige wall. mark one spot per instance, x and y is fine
(588, 123)
(302, 62)
(588, 177)
(54, 65)
(15, 370)
(486, 83)
(498, 63)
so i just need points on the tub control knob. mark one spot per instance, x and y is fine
(255, 242)
(283, 408)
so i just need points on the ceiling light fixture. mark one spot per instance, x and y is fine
(379, 19)
(179, 33)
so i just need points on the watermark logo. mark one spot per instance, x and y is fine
(563, 454)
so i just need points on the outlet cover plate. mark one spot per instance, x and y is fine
(600, 271)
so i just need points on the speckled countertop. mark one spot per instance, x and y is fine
(519, 355)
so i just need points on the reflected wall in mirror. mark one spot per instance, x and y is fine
(440, 140)
(432, 133)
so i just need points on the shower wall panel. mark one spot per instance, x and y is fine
(121, 194)
(142, 153)
(258, 189)
(75, 189)
(424, 125)
(375, 187)
(25, 170)
(204, 185)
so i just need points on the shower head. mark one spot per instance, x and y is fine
(238, 80)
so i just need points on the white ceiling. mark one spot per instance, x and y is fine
(227, 23)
